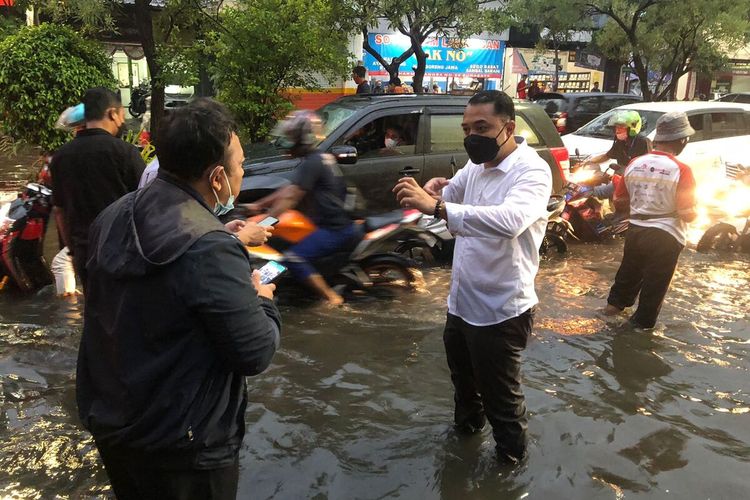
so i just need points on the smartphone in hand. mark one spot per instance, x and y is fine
(270, 272)
(269, 221)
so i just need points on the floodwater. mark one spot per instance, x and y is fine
(358, 402)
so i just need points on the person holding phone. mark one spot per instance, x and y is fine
(319, 189)
(175, 319)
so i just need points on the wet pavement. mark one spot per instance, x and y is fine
(358, 402)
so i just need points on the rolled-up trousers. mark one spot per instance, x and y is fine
(485, 366)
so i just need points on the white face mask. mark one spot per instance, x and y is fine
(391, 143)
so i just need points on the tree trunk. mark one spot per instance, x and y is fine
(556, 81)
(393, 66)
(642, 72)
(419, 71)
(144, 23)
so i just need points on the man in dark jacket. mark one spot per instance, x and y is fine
(173, 321)
(92, 171)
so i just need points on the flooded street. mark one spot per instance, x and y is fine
(358, 402)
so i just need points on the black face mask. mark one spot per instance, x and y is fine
(481, 148)
(121, 131)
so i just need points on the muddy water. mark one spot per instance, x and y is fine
(358, 403)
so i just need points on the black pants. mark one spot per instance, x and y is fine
(485, 365)
(648, 264)
(134, 479)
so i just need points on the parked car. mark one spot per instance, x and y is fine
(570, 111)
(743, 97)
(721, 130)
(432, 144)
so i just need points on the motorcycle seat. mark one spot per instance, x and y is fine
(382, 220)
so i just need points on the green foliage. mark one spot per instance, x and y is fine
(267, 46)
(45, 69)
(670, 37)
(9, 26)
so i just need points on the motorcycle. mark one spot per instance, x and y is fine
(138, 104)
(23, 224)
(368, 259)
(731, 204)
(557, 226)
(584, 213)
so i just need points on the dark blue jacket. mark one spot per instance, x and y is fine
(172, 324)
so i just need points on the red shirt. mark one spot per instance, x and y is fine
(521, 89)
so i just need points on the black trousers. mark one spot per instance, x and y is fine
(485, 366)
(136, 479)
(648, 265)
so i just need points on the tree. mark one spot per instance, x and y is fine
(419, 20)
(267, 46)
(43, 70)
(557, 22)
(666, 39)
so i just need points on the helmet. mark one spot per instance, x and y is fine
(301, 129)
(630, 119)
(71, 118)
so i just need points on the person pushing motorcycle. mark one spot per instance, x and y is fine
(319, 189)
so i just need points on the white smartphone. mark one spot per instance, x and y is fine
(270, 272)
(268, 221)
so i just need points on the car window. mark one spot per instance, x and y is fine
(727, 125)
(728, 98)
(698, 123)
(601, 127)
(587, 105)
(609, 103)
(524, 130)
(551, 105)
(743, 98)
(385, 136)
(446, 133)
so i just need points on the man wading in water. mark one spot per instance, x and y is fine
(496, 208)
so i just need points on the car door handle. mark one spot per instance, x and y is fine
(409, 171)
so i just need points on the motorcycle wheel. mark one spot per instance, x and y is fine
(134, 112)
(388, 270)
(717, 237)
(553, 241)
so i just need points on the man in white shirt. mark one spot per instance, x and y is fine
(659, 191)
(496, 208)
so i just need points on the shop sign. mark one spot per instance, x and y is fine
(740, 67)
(446, 57)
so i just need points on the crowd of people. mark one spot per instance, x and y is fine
(175, 316)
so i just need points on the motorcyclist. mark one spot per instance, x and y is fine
(629, 143)
(319, 189)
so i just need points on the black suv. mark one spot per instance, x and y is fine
(431, 144)
(571, 111)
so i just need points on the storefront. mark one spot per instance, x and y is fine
(450, 65)
(577, 72)
(735, 77)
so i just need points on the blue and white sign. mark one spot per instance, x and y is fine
(474, 58)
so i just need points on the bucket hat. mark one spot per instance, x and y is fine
(673, 126)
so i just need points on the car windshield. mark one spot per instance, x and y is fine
(332, 115)
(601, 127)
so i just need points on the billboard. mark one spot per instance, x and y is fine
(475, 58)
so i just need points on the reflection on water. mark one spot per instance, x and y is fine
(358, 402)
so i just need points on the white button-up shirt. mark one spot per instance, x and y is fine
(499, 216)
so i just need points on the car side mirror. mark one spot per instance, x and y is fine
(346, 155)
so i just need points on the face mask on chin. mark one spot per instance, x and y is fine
(220, 208)
(483, 149)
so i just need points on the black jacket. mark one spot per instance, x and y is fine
(172, 324)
